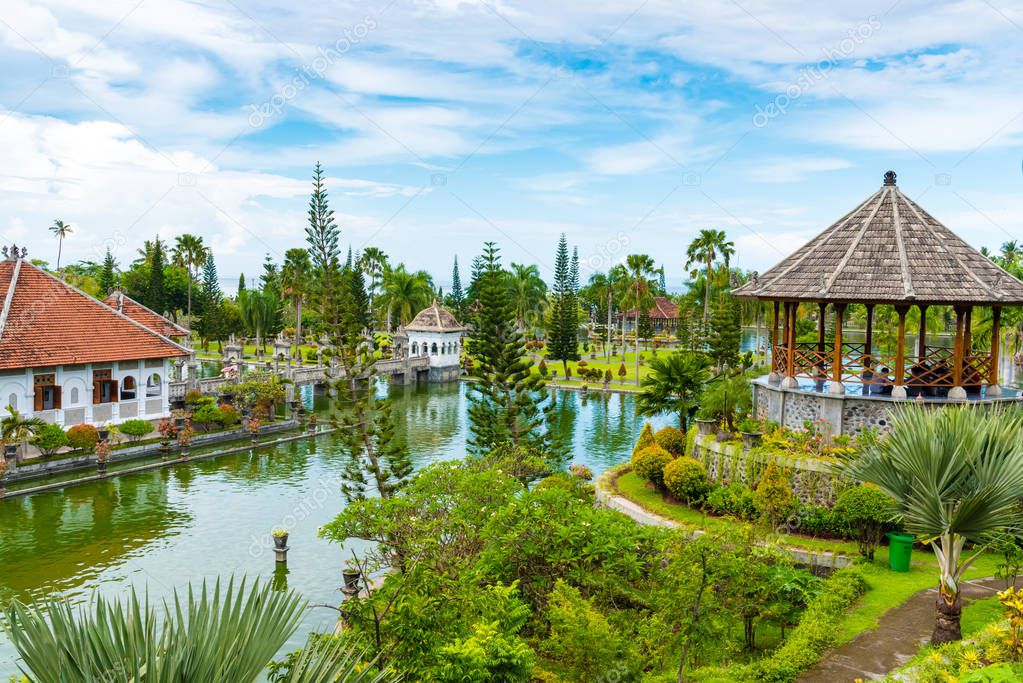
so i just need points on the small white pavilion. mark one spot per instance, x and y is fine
(435, 333)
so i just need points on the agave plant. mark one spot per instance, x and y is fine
(956, 477)
(227, 633)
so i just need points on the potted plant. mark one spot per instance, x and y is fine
(3, 477)
(184, 437)
(706, 422)
(280, 535)
(312, 423)
(351, 575)
(752, 432)
(103, 432)
(254, 425)
(102, 452)
(168, 433)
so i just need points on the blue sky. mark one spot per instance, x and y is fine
(442, 124)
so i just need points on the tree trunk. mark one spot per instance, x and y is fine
(947, 627)
(637, 339)
(189, 274)
(298, 327)
(608, 352)
(706, 292)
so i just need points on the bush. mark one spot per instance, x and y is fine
(50, 439)
(135, 429)
(206, 415)
(621, 370)
(542, 368)
(646, 438)
(607, 375)
(83, 438)
(649, 464)
(686, 479)
(773, 497)
(864, 510)
(193, 397)
(229, 416)
(671, 440)
(817, 520)
(736, 500)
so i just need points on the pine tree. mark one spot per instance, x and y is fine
(507, 409)
(725, 333)
(456, 300)
(662, 285)
(210, 324)
(270, 279)
(323, 236)
(241, 284)
(108, 275)
(563, 325)
(156, 294)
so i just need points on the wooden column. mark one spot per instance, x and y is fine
(899, 391)
(921, 340)
(957, 390)
(790, 343)
(996, 333)
(774, 338)
(822, 317)
(836, 364)
(968, 332)
(868, 343)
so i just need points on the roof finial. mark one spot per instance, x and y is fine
(13, 253)
(889, 178)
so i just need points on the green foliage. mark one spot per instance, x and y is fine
(674, 383)
(725, 398)
(50, 439)
(582, 640)
(725, 333)
(193, 397)
(229, 416)
(259, 390)
(773, 496)
(492, 652)
(735, 499)
(542, 368)
(649, 464)
(686, 479)
(646, 438)
(864, 510)
(82, 437)
(135, 429)
(206, 416)
(563, 326)
(672, 440)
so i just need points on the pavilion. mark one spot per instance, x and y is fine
(886, 251)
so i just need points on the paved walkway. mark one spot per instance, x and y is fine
(899, 634)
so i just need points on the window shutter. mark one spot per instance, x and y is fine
(38, 404)
(56, 397)
(96, 388)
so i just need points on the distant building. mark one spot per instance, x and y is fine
(435, 332)
(663, 316)
(70, 359)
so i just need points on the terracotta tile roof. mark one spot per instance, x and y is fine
(663, 309)
(145, 316)
(434, 319)
(44, 321)
(887, 250)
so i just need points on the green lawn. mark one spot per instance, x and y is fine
(627, 383)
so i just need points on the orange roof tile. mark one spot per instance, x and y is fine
(45, 321)
(145, 316)
(663, 309)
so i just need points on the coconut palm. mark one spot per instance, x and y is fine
(296, 277)
(705, 249)
(956, 477)
(15, 428)
(405, 294)
(260, 312)
(1010, 251)
(194, 637)
(602, 287)
(189, 253)
(61, 230)
(528, 292)
(373, 262)
(640, 268)
(674, 384)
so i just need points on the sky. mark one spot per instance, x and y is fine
(627, 125)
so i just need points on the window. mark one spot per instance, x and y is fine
(73, 394)
(415, 348)
(47, 394)
(104, 389)
(433, 349)
(128, 388)
(153, 387)
(12, 401)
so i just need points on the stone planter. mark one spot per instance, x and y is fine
(724, 435)
(351, 578)
(706, 427)
(103, 434)
(280, 541)
(101, 466)
(10, 451)
(751, 439)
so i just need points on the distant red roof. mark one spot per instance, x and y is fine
(145, 316)
(44, 321)
(663, 309)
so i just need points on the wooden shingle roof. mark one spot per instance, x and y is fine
(887, 250)
(434, 319)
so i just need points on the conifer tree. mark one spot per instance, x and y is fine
(156, 294)
(241, 284)
(108, 275)
(323, 236)
(724, 333)
(662, 285)
(563, 325)
(211, 298)
(457, 296)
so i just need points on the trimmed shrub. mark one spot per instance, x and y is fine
(736, 500)
(773, 496)
(229, 416)
(193, 397)
(135, 429)
(50, 439)
(671, 440)
(621, 370)
(817, 520)
(646, 438)
(864, 510)
(607, 375)
(206, 415)
(649, 464)
(686, 479)
(83, 438)
(542, 368)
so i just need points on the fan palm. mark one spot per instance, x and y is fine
(296, 276)
(640, 268)
(225, 634)
(61, 230)
(15, 428)
(705, 249)
(189, 253)
(674, 383)
(956, 477)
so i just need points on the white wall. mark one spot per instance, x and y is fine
(449, 345)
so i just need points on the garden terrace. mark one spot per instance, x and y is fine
(887, 252)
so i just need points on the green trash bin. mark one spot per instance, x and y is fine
(900, 549)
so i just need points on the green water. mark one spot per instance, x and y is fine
(164, 528)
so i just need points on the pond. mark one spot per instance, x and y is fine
(184, 523)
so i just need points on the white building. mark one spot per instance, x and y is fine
(435, 332)
(70, 359)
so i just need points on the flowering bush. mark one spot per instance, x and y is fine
(168, 431)
(811, 440)
(83, 438)
(581, 471)
(102, 451)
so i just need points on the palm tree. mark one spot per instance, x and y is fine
(296, 276)
(528, 291)
(603, 286)
(956, 477)
(191, 638)
(61, 230)
(405, 293)
(674, 383)
(1010, 251)
(640, 268)
(705, 249)
(189, 253)
(17, 429)
(373, 262)
(260, 310)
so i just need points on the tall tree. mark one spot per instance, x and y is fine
(373, 262)
(528, 292)
(323, 236)
(211, 299)
(457, 296)
(61, 230)
(108, 275)
(640, 269)
(241, 284)
(705, 249)
(295, 277)
(405, 294)
(563, 326)
(189, 253)
(724, 333)
(157, 294)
